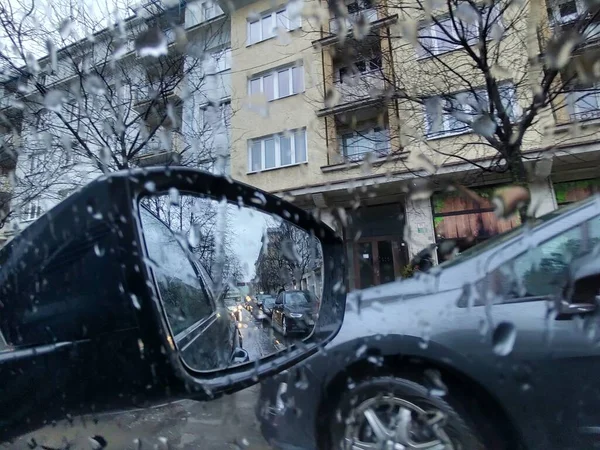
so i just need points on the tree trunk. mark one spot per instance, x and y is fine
(518, 176)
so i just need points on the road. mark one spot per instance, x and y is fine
(226, 423)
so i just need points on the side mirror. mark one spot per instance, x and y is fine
(279, 301)
(581, 294)
(102, 292)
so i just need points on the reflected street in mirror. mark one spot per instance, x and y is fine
(236, 284)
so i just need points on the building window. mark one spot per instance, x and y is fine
(454, 113)
(583, 103)
(573, 191)
(465, 221)
(278, 150)
(565, 11)
(220, 61)
(31, 211)
(442, 37)
(357, 144)
(278, 83)
(266, 27)
(361, 67)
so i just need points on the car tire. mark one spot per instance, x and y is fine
(377, 402)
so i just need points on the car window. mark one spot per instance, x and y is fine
(542, 271)
(297, 299)
(185, 299)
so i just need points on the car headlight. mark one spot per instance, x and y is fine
(295, 315)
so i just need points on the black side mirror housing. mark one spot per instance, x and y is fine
(79, 312)
(581, 294)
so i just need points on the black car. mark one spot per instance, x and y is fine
(189, 300)
(294, 312)
(496, 349)
(268, 304)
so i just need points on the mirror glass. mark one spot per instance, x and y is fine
(236, 284)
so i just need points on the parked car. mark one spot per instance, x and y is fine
(191, 308)
(267, 306)
(495, 349)
(294, 312)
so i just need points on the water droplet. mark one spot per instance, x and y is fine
(466, 13)
(508, 200)
(437, 388)
(152, 43)
(484, 126)
(135, 301)
(97, 442)
(559, 50)
(174, 196)
(99, 251)
(65, 28)
(53, 100)
(150, 186)
(361, 351)
(259, 198)
(93, 84)
(332, 97)
(504, 338)
(194, 236)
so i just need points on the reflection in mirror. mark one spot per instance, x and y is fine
(236, 284)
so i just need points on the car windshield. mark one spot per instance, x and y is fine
(300, 224)
(299, 298)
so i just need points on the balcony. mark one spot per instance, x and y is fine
(368, 14)
(361, 86)
(201, 12)
(584, 105)
(154, 153)
(144, 93)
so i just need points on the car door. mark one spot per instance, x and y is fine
(527, 278)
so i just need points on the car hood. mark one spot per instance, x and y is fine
(299, 309)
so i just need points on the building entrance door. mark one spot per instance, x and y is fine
(378, 260)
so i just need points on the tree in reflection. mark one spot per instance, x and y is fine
(288, 254)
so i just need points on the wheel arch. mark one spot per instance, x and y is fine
(476, 401)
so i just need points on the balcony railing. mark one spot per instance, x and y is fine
(584, 105)
(197, 13)
(355, 148)
(370, 15)
(361, 86)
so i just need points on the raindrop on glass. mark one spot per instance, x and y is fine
(504, 338)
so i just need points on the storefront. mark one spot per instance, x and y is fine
(466, 222)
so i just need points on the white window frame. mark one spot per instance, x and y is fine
(289, 25)
(437, 33)
(276, 138)
(554, 12)
(32, 210)
(447, 118)
(275, 74)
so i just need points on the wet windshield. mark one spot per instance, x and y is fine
(169, 169)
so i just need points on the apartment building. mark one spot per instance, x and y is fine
(307, 107)
(178, 109)
(310, 128)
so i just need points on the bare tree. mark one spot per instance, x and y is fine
(128, 95)
(288, 253)
(499, 73)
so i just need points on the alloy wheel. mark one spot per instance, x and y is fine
(392, 423)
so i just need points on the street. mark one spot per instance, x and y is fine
(226, 423)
